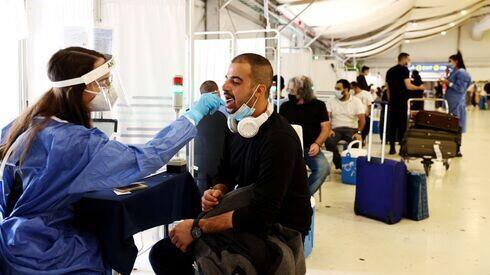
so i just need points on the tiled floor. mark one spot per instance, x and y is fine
(454, 240)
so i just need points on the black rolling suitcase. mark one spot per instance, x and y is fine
(420, 143)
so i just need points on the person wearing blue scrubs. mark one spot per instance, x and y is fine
(51, 156)
(458, 82)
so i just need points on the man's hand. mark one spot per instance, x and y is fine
(357, 137)
(331, 134)
(181, 236)
(314, 150)
(210, 199)
(422, 87)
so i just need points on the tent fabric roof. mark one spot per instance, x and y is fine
(363, 28)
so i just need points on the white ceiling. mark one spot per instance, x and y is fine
(363, 28)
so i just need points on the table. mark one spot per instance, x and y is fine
(115, 219)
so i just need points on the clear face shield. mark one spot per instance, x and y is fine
(110, 89)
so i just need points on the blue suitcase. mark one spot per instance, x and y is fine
(381, 184)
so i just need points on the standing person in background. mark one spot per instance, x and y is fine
(278, 88)
(398, 86)
(417, 81)
(305, 110)
(209, 140)
(458, 82)
(439, 93)
(485, 94)
(361, 79)
(366, 100)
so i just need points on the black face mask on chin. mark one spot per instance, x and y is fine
(292, 98)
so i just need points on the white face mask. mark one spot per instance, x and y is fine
(103, 100)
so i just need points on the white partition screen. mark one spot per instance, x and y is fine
(211, 60)
(295, 64)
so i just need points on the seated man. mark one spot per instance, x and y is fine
(305, 110)
(270, 158)
(278, 86)
(347, 118)
(366, 100)
(208, 143)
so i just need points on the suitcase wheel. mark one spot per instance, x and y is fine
(446, 164)
(389, 219)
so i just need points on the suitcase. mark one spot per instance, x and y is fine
(420, 143)
(417, 204)
(381, 184)
(437, 120)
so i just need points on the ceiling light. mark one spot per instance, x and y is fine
(452, 24)
(443, 33)
(414, 24)
(464, 12)
(407, 41)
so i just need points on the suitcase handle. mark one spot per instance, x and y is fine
(383, 142)
(411, 100)
(354, 142)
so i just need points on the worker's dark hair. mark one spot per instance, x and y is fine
(208, 86)
(402, 56)
(364, 68)
(458, 57)
(65, 103)
(261, 69)
(345, 83)
(354, 85)
(282, 85)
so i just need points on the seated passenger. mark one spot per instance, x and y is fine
(278, 86)
(51, 156)
(271, 159)
(347, 119)
(304, 109)
(208, 143)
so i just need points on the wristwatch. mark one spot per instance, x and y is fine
(196, 231)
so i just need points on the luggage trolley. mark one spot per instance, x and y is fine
(432, 105)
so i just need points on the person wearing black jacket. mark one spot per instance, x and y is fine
(361, 79)
(417, 81)
(271, 160)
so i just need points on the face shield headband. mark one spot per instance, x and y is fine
(88, 77)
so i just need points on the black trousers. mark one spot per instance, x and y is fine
(166, 259)
(365, 131)
(397, 121)
(341, 133)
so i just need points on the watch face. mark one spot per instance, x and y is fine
(196, 232)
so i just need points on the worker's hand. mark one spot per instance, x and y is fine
(331, 134)
(357, 137)
(181, 236)
(210, 199)
(314, 150)
(422, 87)
(207, 104)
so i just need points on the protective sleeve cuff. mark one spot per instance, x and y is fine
(191, 120)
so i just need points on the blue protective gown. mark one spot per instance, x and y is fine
(64, 162)
(456, 95)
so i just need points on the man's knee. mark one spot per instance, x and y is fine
(165, 258)
(331, 143)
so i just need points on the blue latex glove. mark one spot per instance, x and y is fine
(207, 104)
